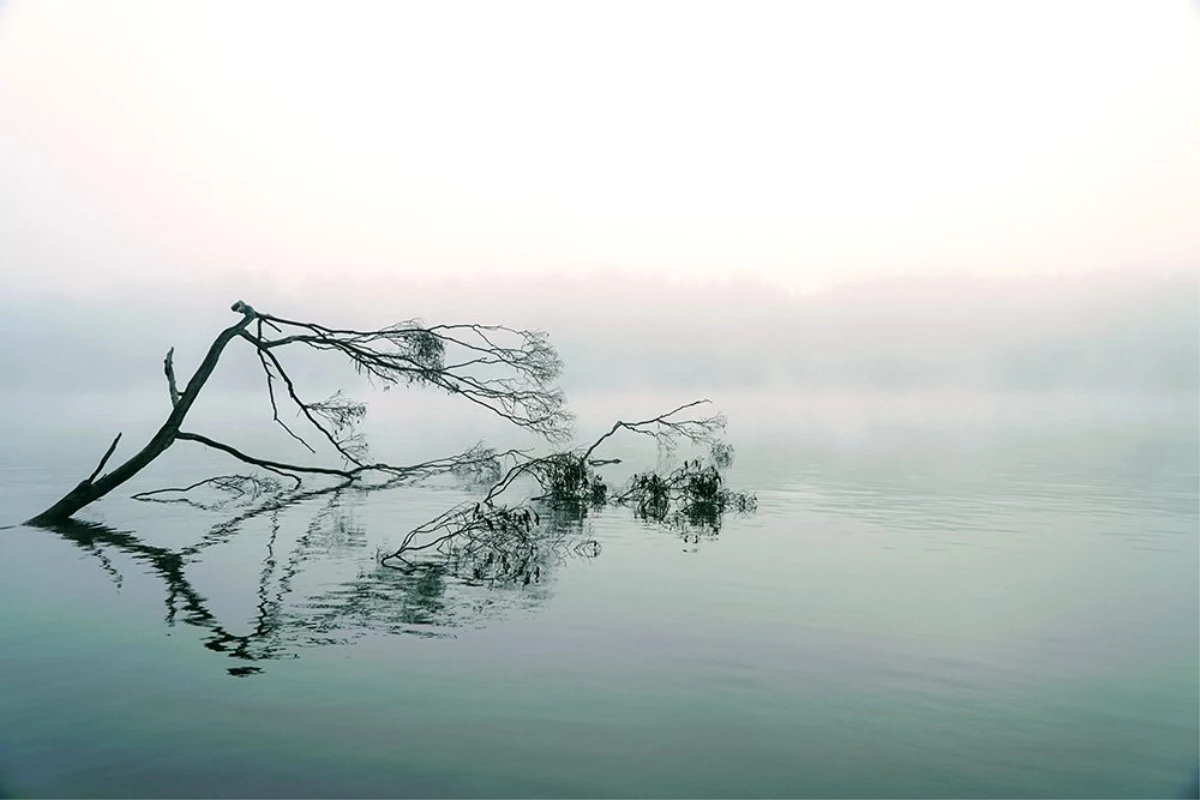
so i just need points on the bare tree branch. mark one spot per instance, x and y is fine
(93, 488)
(236, 489)
(262, 360)
(278, 466)
(169, 369)
(532, 508)
(691, 495)
(512, 378)
(104, 460)
(509, 372)
(312, 412)
(666, 429)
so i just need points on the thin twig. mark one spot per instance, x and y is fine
(107, 455)
(271, 388)
(169, 369)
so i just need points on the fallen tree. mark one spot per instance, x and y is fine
(508, 372)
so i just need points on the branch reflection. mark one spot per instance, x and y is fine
(297, 605)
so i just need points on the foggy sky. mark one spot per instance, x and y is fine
(860, 194)
(800, 143)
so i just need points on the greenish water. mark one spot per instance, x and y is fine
(937, 597)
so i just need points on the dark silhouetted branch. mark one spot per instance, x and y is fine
(93, 488)
(667, 430)
(509, 372)
(691, 495)
(262, 360)
(169, 370)
(104, 459)
(274, 466)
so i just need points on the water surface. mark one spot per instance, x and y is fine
(967, 597)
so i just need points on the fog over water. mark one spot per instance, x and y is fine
(936, 262)
(1122, 331)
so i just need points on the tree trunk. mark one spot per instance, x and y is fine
(93, 488)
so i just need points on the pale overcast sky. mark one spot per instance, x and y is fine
(803, 142)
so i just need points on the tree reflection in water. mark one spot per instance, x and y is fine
(474, 560)
(430, 597)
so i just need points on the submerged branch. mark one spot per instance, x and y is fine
(236, 488)
(693, 495)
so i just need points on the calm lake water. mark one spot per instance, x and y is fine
(988, 596)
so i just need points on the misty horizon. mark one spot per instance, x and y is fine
(1115, 331)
